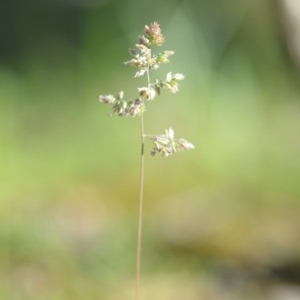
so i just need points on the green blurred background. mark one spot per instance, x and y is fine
(220, 222)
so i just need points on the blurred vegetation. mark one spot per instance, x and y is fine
(221, 222)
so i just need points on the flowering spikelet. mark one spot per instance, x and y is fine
(154, 35)
(166, 144)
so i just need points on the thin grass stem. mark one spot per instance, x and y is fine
(141, 198)
(140, 214)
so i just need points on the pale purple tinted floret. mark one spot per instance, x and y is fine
(153, 34)
(123, 107)
(147, 93)
(107, 99)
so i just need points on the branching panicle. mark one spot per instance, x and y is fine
(144, 60)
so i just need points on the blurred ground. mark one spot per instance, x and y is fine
(221, 221)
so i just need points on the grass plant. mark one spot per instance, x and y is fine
(145, 61)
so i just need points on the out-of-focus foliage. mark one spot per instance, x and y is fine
(221, 222)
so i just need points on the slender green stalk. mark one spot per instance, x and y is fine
(141, 198)
(140, 214)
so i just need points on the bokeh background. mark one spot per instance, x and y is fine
(220, 222)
